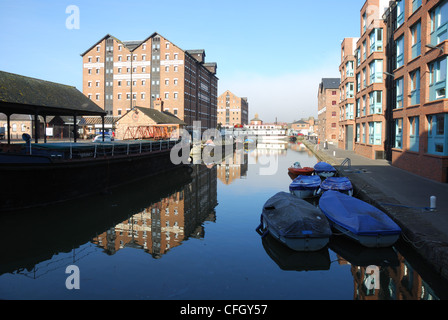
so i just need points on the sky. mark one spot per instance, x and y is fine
(275, 53)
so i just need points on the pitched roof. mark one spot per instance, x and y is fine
(158, 117)
(24, 95)
(134, 44)
(330, 83)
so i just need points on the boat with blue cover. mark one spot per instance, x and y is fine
(294, 222)
(359, 220)
(324, 169)
(305, 186)
(341, 184)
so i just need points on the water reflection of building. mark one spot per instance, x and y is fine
(165, 224)
(397, 282)
(233, 167)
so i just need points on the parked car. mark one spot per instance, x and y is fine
(107, 138)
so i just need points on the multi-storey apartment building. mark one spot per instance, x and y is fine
(370, 88)
(232, 110)
(419, 105)
(328, 110)
(119, 75)
(347, 94)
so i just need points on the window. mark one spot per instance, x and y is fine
(399, 93)
(376, 40)
(349, 111)
(363, 133)
(358, 82)
(364, 51)
(364, 78)
(358, 108)
(437, 79)
(439, 19)
(376, 102)
(333, 93)
(400, 12)
(364, 105)
(398, 133)
(416, 40)
(400, 52)
(376, 71)
(375, 129)
(414, 134)
(350, 68)
(97, 96)
(357, 132)
(415, 87)
(437, 134)
(119, 96)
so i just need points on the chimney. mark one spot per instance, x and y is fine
(158, 104)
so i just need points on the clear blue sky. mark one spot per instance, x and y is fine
(272, 52)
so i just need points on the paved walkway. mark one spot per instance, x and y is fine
(403, 195)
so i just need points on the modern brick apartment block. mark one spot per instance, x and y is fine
(419, 104)
(232, 110)
(347, 102)
(328, 110)
(370, 87)
(119, 75)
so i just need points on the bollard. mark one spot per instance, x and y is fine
(433, 201)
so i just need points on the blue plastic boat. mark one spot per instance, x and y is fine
(359, 220)
(294, 222)
(324, 169)
(341, 184)
(305, 186)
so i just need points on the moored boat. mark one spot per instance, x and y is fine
(324, 169)
(341, 184)
(296, 170)
(359, 220)
(294, 222)
(305, 186)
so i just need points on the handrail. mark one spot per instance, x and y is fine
(347, 161)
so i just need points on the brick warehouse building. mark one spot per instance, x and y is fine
(370, 87)
(419, 102)
(232, 110)
(119, 75)
(347, 93)
(328, 109)
(401, 107)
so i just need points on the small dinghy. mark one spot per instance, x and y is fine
(305, 186)
(341, 184)
(324, 169)
(294, 222)
(359, 220)
(296, 170)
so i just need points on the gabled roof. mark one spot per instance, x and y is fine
(24, 95)
(134, 44)
(157, 116)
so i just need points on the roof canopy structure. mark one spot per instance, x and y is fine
(24, 95)
(30, 96)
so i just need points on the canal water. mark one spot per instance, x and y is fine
(189, 234)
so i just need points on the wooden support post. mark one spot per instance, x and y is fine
(74, 128)
(8, 121)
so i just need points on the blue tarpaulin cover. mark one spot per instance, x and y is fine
(305, 183)
(336, 183)
(356, 215)
(324, 167)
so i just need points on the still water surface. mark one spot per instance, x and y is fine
(190, 234)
